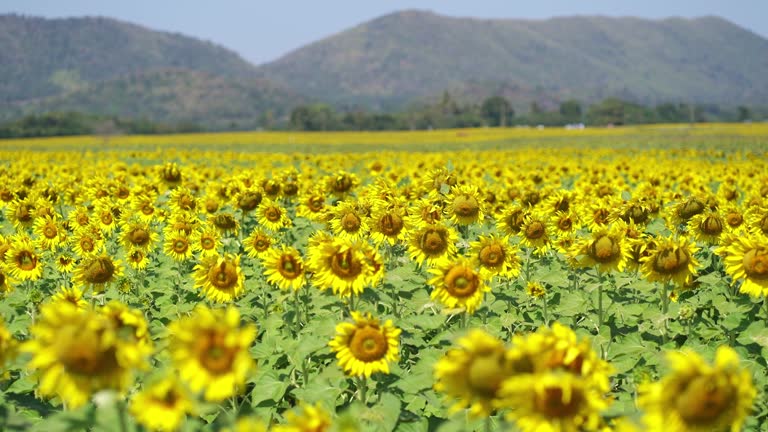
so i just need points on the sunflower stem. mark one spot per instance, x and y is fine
(296, 318)
(362, 384)
(599, 298)
(546, 313)
(121, 416)
(664, 309)
(488, 424)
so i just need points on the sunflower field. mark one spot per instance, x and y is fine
(477, 280)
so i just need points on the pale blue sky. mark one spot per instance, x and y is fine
(264, 30)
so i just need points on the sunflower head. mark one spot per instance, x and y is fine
(365, 346)
(458, 284)
(220, 277)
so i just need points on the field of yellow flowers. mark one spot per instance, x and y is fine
(506, 280)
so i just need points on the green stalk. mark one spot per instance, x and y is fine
(546, 313)
(296, 318)
(664, 309)
(362, 384)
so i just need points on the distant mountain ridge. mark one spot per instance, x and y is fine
(105, 66)
(414, 53)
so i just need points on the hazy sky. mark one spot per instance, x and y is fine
(263, 30)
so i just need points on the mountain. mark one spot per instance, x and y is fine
(173, 96)
(412, 54)
(43, 57)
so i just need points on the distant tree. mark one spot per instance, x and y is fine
(570, 111)
(497, 111)
(744, 113)
(313, 117)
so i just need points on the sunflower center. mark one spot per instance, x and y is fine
(290, 189)
(315, 203)
(600, 216)
(565, 223)
(84, 357)
(82, 219)
(106, 218)
(50, 232)
(139, 237)
(216, 358)
(711, 225)
(492, 255)
(86, 244)
(390, 224)
(272, 188)
(346, 265)
(466, 206)
(186, 202)
(261, 243)
(461, 281)
(690, 208)
(225, 221)
(515, 220)
(486, 373)
(180, 246)
(553, 402)
(123, 192)
(350, 222)
(764, 224)
(289, 267)
(755, 263)
(223, 276)
(535, 230)
(604, 249)
(249, 201)
(23, 213)
(147, 209)
(635, 213)
(703, 400)
(342, 183)
(671, 260)
(99, 271)
(211, 205)
(136, 256)
(273, 214)
(170, 398)
(368, 344)
(207, 243)
(434, 241)
(26, 260)
(734, 219)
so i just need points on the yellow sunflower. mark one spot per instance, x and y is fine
(458, 284)
(671, 260)
(465, 205)
(284, 267)
(305, 418)
(75, 353)
(340, 265)
(536, 232)
(348, 221)
(9, 347)
(182, 200)
(257, 244)
(137, 235)
(535, 289)
(272, 215)
(746, 260)
(220, 278)
(163, 405)
(606, 250)
(707, 226)
(365, 346)
(388, 224)
(73, 295)
(133, 338)
(249, 199)
(472, 373)
(249, 424)
(23, 261)
(137, 259)
(510, 219)
(87, 241)
(554, 401)
(210, 349)
(49, 233)
(6, 283)
(206, 240)
(178, 245)
(65, 262)
(21, 213)
(434, 244)
(696, 396)
(495, 256)
(97, 271)
(312, 205)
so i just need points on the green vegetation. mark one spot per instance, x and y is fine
(73, 123)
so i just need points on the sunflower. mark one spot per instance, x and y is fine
(509, 220)
(458, 284)
(746, 259)
(170, 174)
(65, 262)
(97, 271)
(606, 250)
(23, 261)
(284, 267)
(305, 418)
(206, 240)
(427, 211)
(388, 224)
(181, 200)
(348, 221)
(564, 223)
(105, 215)
(220, 277)
(49, 233)
(434, 244)
(210, 349)
(163, 405)
(536, 232)
(75, 353)
(6, 284)
(251, 424)
(758, 221)
(225, 222)
(341, 184)
(312, 205)
(365, 346)
(495, 256)
(554, 401)
(73, 295)
(9, 347)
(472, 373)
(272, 215)
(535, 289)
(79, 218)
(87, 241)
(696, 396)
(137, 234)
(178, 245)
(144, 207)
(707, 226)
(341, 265)
(133, 339)
(21, 213)
(685, 209)
(137, 259)
(248, 200)
(671, 260)
(258, 243)
(465, 205)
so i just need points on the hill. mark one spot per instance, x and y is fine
(172, 96)
(411, 54)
